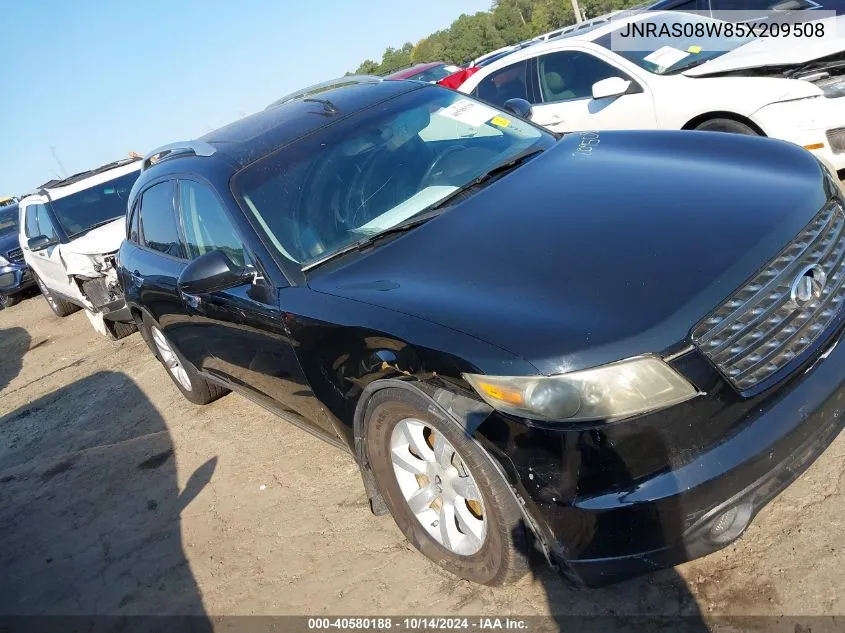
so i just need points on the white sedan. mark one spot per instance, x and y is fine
(764, 86)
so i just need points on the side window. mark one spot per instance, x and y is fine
(206, 225)
(45, 224)
(571, 75)
(158, 220)
(134, 222)
(31, 221)
(507, 83)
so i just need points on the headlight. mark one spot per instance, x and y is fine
(3, 261)
(833, 87)
(610, 392)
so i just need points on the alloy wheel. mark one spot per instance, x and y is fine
(438, 487)
(47, 295)
(170, 360)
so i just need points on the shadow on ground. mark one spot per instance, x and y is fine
(14, 343)
(90, 512)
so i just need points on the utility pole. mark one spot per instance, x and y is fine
(577, 10)
(62, 167)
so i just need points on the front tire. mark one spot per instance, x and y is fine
(60, 307)
(193, 386)
(7, 301)
(726, 125)
(444, 492)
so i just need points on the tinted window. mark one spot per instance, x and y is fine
(571, 75)
(507, 83)
(435, 74)
(134, 232)
(158, 221)
(206, 225)
(94, 206)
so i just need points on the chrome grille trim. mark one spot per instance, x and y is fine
(15, 255)
(760, 329)
(836, 138)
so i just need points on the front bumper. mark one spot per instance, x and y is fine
(806, 122)
(613, 502)
(15, 278)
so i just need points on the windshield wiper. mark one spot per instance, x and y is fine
(420, 218)
(697, 62)
(487, 176)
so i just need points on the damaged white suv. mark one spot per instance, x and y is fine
(70, 232)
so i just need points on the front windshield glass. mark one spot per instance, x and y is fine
(676, 46)
(8, 220)
(86, 209)
(377, 169)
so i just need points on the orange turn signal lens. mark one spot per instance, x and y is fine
(814, 146)
(497, 392)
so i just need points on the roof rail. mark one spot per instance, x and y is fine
(197, 148)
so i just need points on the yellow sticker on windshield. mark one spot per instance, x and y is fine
(694, 50)
(500, 121)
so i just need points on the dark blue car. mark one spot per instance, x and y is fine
(15, 276)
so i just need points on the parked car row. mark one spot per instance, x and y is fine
(613, 347)
(765, 86)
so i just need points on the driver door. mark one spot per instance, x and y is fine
(47, 263)
(565, 81)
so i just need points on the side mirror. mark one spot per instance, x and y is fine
(610, 87)
(40, 242)
(212, 272)
(519, 107)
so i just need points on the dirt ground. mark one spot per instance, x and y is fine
(117, 496)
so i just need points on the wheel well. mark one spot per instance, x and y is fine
(733, 116)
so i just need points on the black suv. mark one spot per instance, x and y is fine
(616, 346)
(15, 276)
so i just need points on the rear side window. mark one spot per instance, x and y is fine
(206, 225)
(158, 220)
(508, 83)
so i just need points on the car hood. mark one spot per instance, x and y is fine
(103, 239)
(777, 51)
(9, 241)
(606, 246)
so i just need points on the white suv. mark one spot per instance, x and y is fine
(70, 232)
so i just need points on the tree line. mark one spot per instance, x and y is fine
(470, 36)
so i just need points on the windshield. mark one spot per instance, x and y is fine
(377, 169)
(8, 220)
(82, 211)
(670, 42)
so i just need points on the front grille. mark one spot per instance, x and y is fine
(770, 321)
(15, 255)
(836, 138)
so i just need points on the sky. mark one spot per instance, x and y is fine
(86, 82)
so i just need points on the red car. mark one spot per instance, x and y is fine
(431, 72)
(455, 80)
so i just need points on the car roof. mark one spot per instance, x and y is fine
(57, 189)
(413, 70)
(252, 137)
(324, 86)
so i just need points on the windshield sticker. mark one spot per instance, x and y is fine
(695, 50)
(500, 121)
(665, 56)
(469, 112)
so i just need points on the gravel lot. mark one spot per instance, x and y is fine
(119, 497)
